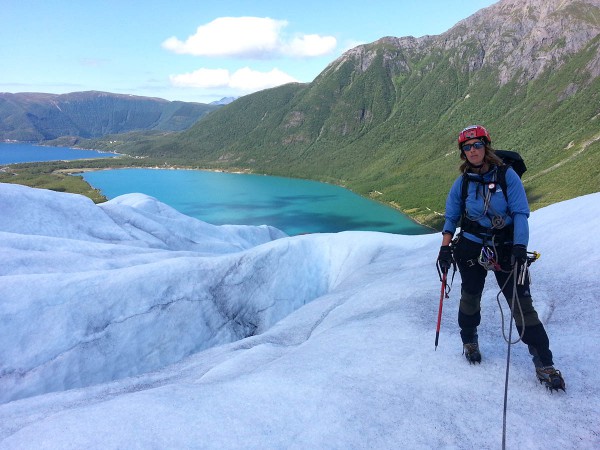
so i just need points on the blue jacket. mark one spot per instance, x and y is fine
(515, 212)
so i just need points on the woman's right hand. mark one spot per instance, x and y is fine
(445, 259)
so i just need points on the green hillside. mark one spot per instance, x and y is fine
(35, 117)
(383, 119)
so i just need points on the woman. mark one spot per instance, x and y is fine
(494, 236)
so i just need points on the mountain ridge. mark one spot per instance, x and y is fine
(526, 70)
(33, 116)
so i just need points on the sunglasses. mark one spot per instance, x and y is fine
(477, 146)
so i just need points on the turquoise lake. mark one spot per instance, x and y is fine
(20, 152)
(292, 205)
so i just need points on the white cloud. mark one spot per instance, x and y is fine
(254, 37)
(244, 80)
(311, 45)
(202, 78)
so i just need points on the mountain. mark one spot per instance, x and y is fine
(43, 117)
(128, 325)
(383, 118)
(224, 101)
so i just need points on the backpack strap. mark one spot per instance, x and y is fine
(464, 192)
(501, 180)
(474, 227)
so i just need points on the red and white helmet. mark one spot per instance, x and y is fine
(474, 132)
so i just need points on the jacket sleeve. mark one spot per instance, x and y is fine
(453, 207)
(518, 207)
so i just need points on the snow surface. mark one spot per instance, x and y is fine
(129, 325)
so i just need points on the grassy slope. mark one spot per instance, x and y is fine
(404, 145)
(391, 128)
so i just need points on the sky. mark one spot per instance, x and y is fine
(197, 50)
(129, 325)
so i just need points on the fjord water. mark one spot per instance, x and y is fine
(11, 153)
(292, 205)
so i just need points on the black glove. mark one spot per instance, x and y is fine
(445, 260)
(519, 255)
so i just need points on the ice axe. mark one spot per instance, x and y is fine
(442, 294)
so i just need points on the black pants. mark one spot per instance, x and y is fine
(466, 253)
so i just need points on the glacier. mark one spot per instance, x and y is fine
(129, 325)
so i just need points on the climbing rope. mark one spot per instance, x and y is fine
(517, 278)
(510, 343)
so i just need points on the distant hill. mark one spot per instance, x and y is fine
(384, 117)
(224, 101)
(42, 117)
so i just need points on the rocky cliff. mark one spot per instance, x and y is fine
(520, 39)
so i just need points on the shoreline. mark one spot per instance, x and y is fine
(371, 196)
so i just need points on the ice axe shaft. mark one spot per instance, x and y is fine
(439, 320)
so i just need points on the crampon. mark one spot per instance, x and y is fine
(471, 352)
(551, 378)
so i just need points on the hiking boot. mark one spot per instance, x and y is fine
(551, 377)
(471, 352)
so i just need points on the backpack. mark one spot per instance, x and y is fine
(510, 159)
